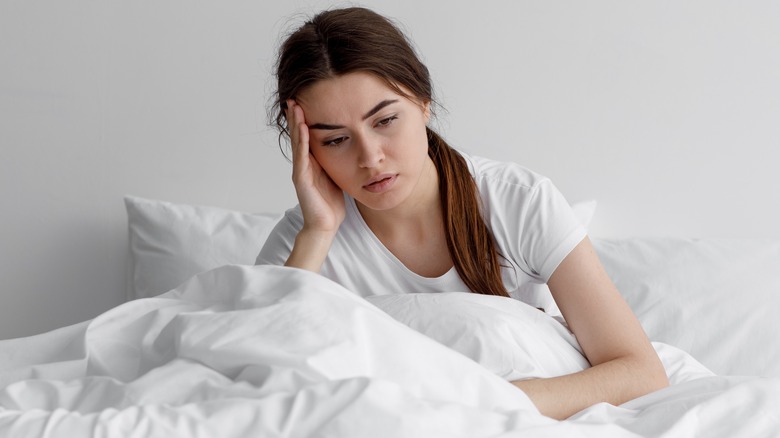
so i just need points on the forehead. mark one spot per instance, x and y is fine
(345, 96)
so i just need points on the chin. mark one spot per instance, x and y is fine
(377, 205)
(382, 202)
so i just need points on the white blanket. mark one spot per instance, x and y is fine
(269, 351)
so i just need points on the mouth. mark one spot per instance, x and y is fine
(380, 183)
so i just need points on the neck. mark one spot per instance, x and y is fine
(420, 213)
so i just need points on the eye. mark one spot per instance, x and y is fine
(334, 141)
(387, 121)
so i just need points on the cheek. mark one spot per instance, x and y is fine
(418, 139)
(410, 136)
(330, 163)
(323, 158)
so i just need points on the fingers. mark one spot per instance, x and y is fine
(293, 128)
(303, 130)
(299, 138)
(292, 124)
(296, 123)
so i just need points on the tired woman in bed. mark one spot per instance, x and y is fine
(387, 206)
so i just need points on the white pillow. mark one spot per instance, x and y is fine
(510, 338)
(718, 299)
(170, 243)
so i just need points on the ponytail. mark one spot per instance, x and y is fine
(469, 240)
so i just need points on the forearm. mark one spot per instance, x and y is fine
(625, 365)
(615, 382)
(310, 250)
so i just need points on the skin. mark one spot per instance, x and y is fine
(357, 130)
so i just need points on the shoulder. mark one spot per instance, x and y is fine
(504, 172)
(293, 215)
(529, 217)
(290, 223)
(488, 171)
(280, 241)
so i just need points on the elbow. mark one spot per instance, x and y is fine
(657, 379)
(661, 379)
(644, 374)
(651, 373)
(657, 371)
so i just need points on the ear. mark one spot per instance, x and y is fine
(426, 108)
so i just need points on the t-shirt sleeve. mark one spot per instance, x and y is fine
(279, 243)
(532, 222)
(552, 230)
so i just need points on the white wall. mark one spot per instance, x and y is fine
(666, 112)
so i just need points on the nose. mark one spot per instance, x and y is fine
(370, 152)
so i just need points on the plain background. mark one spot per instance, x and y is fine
(665, 112)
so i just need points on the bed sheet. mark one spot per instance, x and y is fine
(273, 351)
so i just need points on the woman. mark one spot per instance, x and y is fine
(386, 206)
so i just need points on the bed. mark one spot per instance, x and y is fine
(209, 345)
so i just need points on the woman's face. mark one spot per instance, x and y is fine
(369, 139)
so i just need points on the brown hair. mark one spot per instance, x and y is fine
(342, 41)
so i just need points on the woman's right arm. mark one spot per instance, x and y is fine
(321, 200)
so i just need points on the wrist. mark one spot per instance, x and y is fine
(316, 236)
(310, 249)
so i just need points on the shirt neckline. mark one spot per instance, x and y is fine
(448, 276)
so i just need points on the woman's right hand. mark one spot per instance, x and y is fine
(321, 200)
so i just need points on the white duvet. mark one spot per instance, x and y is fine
(267, 351)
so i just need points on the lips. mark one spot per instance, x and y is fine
(381, 183)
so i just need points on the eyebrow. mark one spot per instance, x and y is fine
(370, 113)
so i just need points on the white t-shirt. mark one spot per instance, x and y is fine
(533, 226)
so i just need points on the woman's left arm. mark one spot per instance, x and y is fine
(624, 363)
